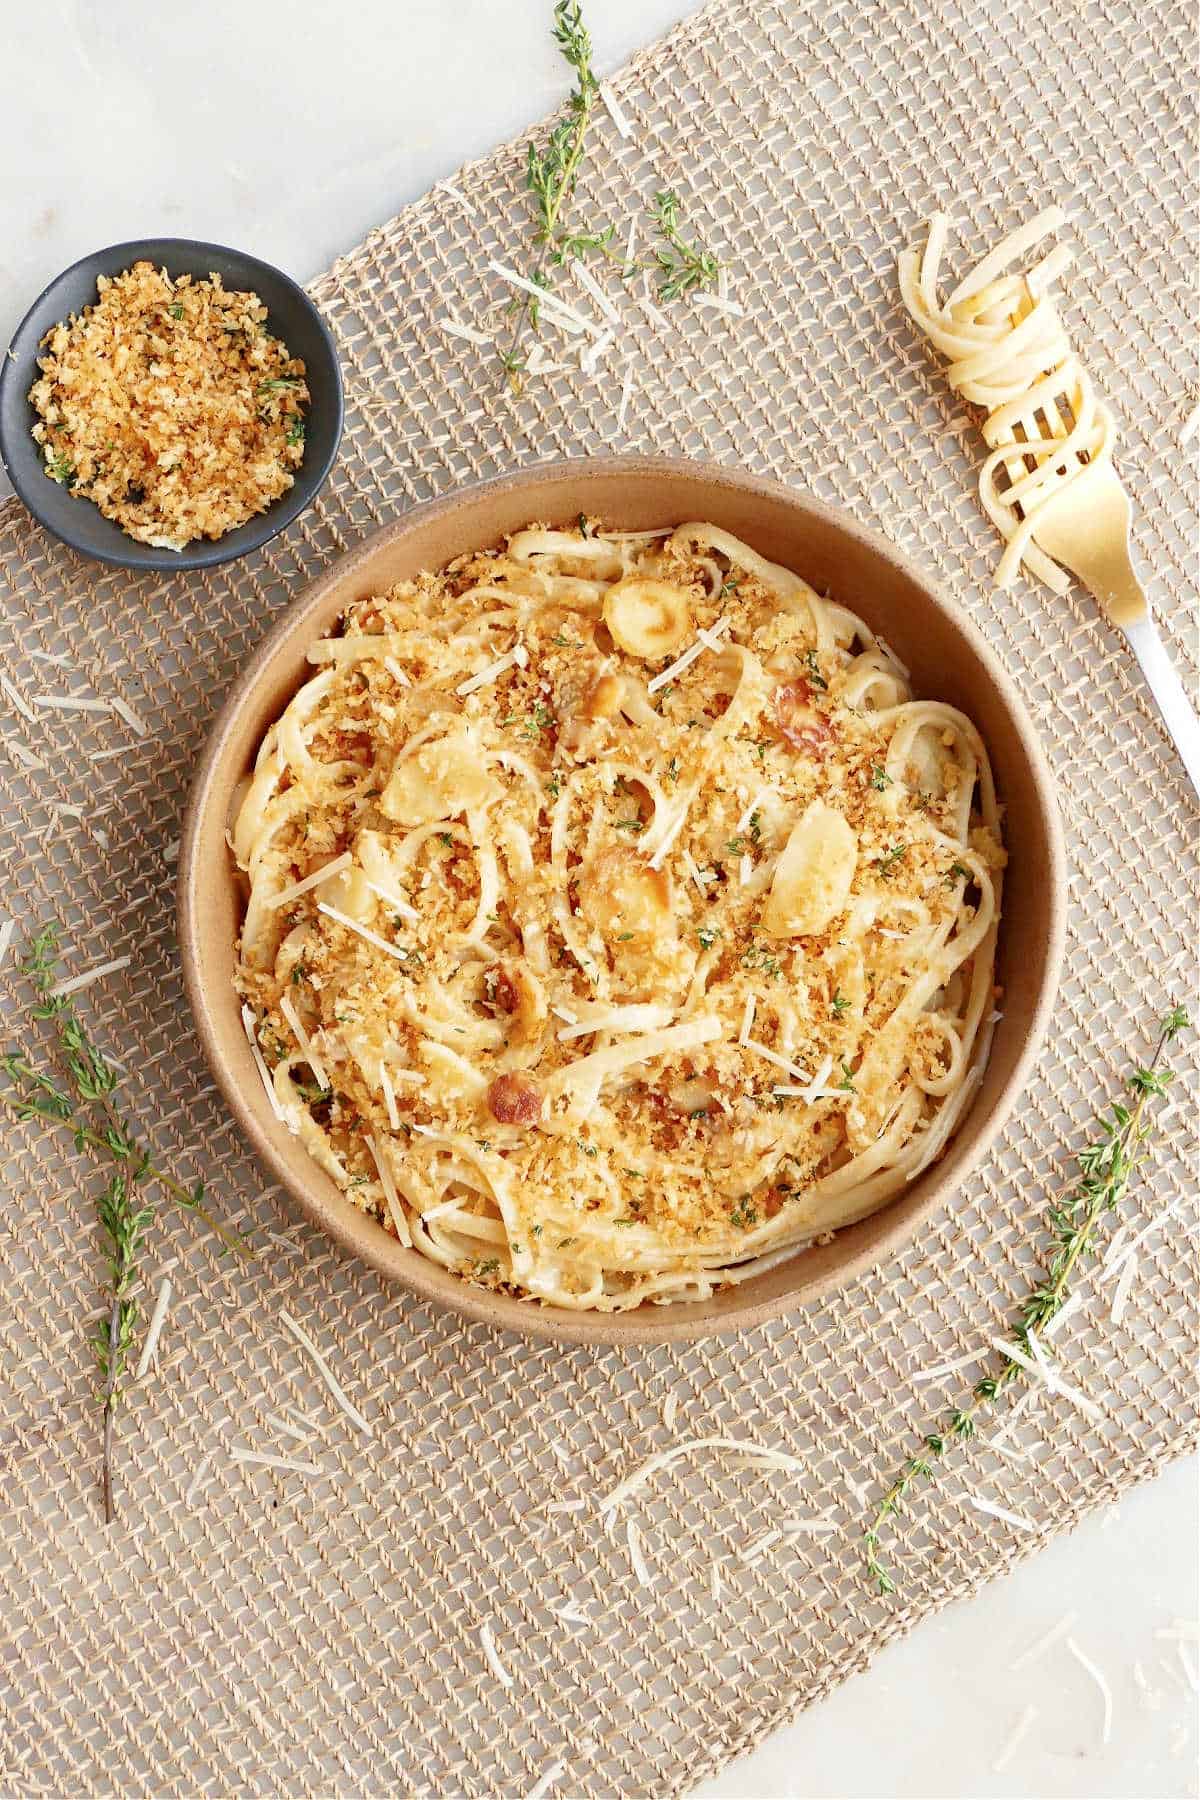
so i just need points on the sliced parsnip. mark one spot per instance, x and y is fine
(813, 875)
(647, 618)
(624, 898)
(442, 779)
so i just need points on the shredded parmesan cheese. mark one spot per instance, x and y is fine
(1015, 1739)
(590, 285)
(6, 937)
(1017, 1520)
(548, 1777)
(1125, 1281)
(704, 641)
(487, 1644)
(330, 869)
(133, 719)
(393, 900)
(1044, 1643)
(388, 1184)
(331, 1381)
(71, 703)
(262, 1459)
(485, 676)
(287, 1008)
(19, 704)
(773, 1056)
(747, 1018)
(633, 1538)
(1097, 1675)
(363, 931)
(154, 1330)
(624, 128)
(757, 1453)
(73, 986)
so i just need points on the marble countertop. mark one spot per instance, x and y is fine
(213, 128)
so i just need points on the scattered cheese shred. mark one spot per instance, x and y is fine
(697, 875)
(1097, 1675)
(1017, 1520)
(590, 285)
(947, 1368)
(485, 676)
(638, 1016)
(133, 719)
(363, 931)
(393, 900)
(487, 1644)
(744, 822)
(555, 309)
(662, 1459)
(302, 1338)
(1040, 1645)
(456, 193)
(773, 1056)
(626, 391)
(633, 1538)
(688, 656)
(20, 705)
(154, 1329)
(1190, 426)
(671, 1411)
(547, 1778)
(250, 1028)
(72, 703)
(21, 753)
(1125, 1281)
(389, 1097)
(714, 303)
(387, 1182)
(624, 128)
(1015, 1739)
(326, 873)
(288, 1009)
(748, 1018)
(6, 937)
(262, 1459)
(62, 988)
(194, 1485)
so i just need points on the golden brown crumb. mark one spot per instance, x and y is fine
(170, 405)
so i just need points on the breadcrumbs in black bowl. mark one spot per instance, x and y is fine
(181, 403)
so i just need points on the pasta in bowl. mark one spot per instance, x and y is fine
(619, 928)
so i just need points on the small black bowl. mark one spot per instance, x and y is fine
(291, 316)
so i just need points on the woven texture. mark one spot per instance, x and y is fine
(265, 1632)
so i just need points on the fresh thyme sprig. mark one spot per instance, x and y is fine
(124, 1224)
(1106, 1167)
(682, 267)
(88, 1114)
(551, 174)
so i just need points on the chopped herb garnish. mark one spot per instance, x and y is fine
(956, 872)
(755, 826)
(630, 825)
(488, 1267)
(846, 1084)
(708, 935)
(730, 585)
(814, 669)
(838, 1005)
(176, 311)
(890, 861)
(295, 431)
(743, 1213)
(880, 778)
(757, 956)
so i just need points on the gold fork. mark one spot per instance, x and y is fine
(1085, 527)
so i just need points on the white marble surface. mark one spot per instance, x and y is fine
(268, 125)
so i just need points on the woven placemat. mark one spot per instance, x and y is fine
(273, 1633)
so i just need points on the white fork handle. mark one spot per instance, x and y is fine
(1168, 691)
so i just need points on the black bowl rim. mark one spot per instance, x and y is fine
(279, 514)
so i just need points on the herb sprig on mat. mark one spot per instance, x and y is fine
(1106, 1168)
(80, 1102)
(551, 176)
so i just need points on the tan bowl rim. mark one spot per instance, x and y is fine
(680, 1322)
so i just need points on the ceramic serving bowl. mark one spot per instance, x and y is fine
(949, 660)
(291, 316)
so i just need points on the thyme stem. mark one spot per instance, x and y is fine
(1106, 1167)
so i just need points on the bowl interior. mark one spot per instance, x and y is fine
(291, 316)
(948, 660)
